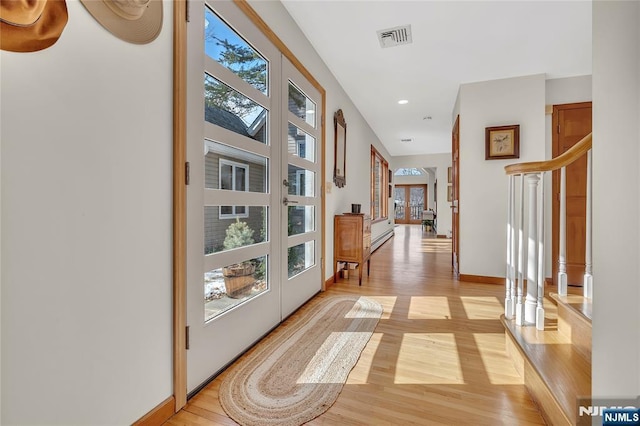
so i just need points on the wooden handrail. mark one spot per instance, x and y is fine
(568, 157)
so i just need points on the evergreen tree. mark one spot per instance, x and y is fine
(248, 65)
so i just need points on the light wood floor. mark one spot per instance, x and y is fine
(437, 356)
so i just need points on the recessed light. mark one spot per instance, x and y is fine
(403, 101)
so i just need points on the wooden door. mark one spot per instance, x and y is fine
(410, 201)
(571, 123)
(455, 204)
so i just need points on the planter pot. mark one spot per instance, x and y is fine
(238, 279)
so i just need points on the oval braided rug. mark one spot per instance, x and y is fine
(297, 372)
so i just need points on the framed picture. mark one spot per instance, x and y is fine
(450, 193)
(502, 142)
(450, 174)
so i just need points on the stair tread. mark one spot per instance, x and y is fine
(562, 367)
(580, 305)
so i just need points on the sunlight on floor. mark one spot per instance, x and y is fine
(360, 373)
(387, 302)
(435, 245)
(428, 358)
(482, 307)
(429, 307)
(319, 366)
(498, 366)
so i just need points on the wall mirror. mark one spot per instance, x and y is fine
(340, 152)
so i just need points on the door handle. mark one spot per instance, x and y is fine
(286, 201)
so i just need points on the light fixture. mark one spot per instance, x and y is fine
(403, 101)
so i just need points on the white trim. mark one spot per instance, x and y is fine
(234, 165)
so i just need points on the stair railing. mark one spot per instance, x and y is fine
(528, 309)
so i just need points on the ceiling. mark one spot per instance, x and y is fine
(454, 42)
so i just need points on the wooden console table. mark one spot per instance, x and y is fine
(352, 241)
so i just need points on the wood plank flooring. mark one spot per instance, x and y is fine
(437, 356)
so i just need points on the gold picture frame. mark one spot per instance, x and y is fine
(449, 174)
(340, 152)
(450, 193)
(502, 142)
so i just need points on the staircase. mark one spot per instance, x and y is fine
(555, 362)
(548, 335)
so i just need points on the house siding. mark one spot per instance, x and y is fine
(214, 226)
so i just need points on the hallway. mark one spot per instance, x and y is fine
(437, 355)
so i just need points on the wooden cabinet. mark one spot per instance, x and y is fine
(351, 241)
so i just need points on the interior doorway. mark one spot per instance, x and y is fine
(409, 203)
(455, 199)
(571, 123)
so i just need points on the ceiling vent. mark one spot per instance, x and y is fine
(406, 140)
(395, 36)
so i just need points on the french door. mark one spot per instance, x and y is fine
(300, 224)
(409, 203)
(253, 200)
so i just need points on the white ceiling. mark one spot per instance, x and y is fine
(454, 42)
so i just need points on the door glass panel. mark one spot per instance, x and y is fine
(301, 181)
(228, 108)
(301, 144)
(399, 201)
(416, 202)
(229, 227)
(300, 257)
(225, 46)
(301, 219)
(234, 169)
(301, 106)
(225, 288)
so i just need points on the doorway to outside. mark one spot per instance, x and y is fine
(409, 203)
(253, 202)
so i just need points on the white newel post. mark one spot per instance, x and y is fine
(540, 303)
(520, 266)
(588, 278)
(510, 273)
(531, 301)
(562, 243)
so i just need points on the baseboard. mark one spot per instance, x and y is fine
(381, 239)
(328, 283)
(158, 415)
(481, 279)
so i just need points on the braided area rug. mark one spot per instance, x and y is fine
(297, 372)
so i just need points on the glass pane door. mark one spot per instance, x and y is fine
(301, 166)
(410, 201)
(233, 207)
(400, 203)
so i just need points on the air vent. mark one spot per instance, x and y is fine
(406, 140)
(395, 36)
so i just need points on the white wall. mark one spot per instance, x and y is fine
(360, 137)
(86, 219)
(616, 186)
(483, 183)
(440, 162)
